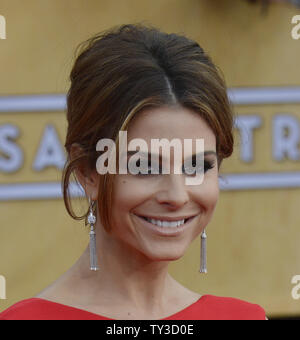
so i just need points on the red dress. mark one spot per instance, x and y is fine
(208, 307)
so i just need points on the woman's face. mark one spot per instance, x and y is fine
(165, 197)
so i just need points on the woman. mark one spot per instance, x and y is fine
(151, 85)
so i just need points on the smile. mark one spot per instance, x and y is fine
(164, 226)
(166, 223)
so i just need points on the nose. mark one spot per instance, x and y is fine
(173, 192)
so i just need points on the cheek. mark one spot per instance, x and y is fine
(128, 193)
(207, 195)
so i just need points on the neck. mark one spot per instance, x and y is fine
(127, 276)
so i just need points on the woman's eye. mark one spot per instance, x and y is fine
(191, 171)
(157, 170)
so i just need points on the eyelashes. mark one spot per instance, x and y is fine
(208, 165)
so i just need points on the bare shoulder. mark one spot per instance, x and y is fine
(73, 289)
(57, 291)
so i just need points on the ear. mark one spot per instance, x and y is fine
(88, 178)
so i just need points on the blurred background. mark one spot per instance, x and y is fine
(254, 237)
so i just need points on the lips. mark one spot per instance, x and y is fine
(167, 218)
(167, 222)
(167, 229)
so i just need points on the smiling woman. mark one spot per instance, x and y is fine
(153, 85)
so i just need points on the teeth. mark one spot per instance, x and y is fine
(167, 224)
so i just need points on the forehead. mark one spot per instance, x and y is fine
(170, 123)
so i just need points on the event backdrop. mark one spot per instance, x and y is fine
(254, 237)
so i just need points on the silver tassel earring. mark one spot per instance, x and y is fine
(93, 252)
(203, 264)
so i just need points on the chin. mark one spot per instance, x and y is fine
(166, 255)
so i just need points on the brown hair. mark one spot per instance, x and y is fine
(126, 69)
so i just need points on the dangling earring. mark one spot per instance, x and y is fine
(93, 252)
(203, 264)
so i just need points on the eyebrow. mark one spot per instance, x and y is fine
(206, 153)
